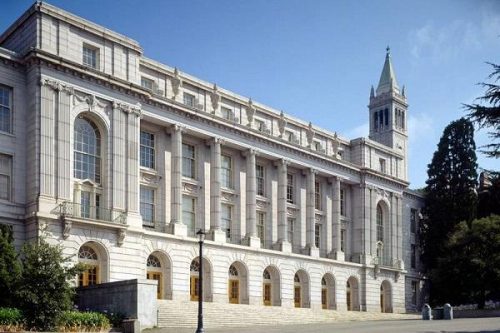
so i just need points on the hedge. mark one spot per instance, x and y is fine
(11, 320)
(75, 321)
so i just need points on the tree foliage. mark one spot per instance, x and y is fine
(487, 113)
(10, 270)
(489, 197)
(470, 268)
(44, 291)
(450, 190)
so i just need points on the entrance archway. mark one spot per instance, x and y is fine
(271, 286)
(158, 267)
(352, 294)
(94, 257)
(194, 275)
(301, 289)
(237, 283)
(385, 297)
(328, 292)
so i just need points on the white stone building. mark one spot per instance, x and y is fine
(122, 159)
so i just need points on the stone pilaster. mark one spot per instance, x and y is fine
(338, 254)
(178, 227)
(251, 237)
(373, 222)
(310, 213)
(215, 191)
(283, 241)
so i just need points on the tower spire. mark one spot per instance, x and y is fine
(387, 80)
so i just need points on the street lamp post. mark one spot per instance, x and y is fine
(201, 235)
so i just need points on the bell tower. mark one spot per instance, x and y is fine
(388, 111)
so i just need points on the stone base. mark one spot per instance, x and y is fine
(312, 251)
(252, 241)
(337, 255)
(179, 229)
(284, 246)
(217, 235)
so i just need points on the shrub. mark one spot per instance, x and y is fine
(75, 321)
(115, 319)
(11, 320)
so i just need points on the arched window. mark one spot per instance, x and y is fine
(266, 275)
(233, 272)
(153, 261)
(88, 257)
(296, 278)
(380, 224)
(195, 265)
(87, 150)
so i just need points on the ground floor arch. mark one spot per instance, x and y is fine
(159, 267)
(385, 297)
(238, 283)
(194, 276)
(94, 257)
(301, 289)
(328, 300)
(352, 294)
(271, 286)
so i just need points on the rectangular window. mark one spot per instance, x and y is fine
(147, 206)
(413, 221)
(5, 176)
(291, 226)
(289, 188)
(189, 100)
(226, 217)
(343, 233)
(226, 172)
(260, 180)
(188, 161)
(261, 232)
(317, 195)
(189, 213)
(146, 83)
(147, 150)
(414, 290)
(90, 55)
(386, 117)
(342, 202)
(413, 256)
(226, 113)
(382, 165)
(85, 204)
(317, 235)
(5, 109)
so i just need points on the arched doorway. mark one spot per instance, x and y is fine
(301, 289)
(267, 287)
(237, 283)
(352, 294)
(385, 297)
(194, 275)
(271, 286)
(328, 292)
(93, 257)
(158, 268)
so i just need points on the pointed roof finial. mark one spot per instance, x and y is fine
(372, 92)
(388, 50)
(387, 80)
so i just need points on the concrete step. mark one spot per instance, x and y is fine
(185, 314)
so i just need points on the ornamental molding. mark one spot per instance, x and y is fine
(150, 179)
(261, 204)
(189, 188)
(227, 197)
(57, 85)
(128, 108)
(93, 103)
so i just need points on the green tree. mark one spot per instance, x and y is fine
(489, 196)
(487, 113)
(450, 191)
(471, 263)
(10, 271)
(44, 288)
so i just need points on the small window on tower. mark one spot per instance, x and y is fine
(386, 116)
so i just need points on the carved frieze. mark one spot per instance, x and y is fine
(150, 179)
(190, 189)
(227, 196)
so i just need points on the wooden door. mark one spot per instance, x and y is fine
(348, 296)
(234, 291)
(382, 301)
(89, 277)
(324, 298)
(158, 277)
(193, 290)
(267, 294)
(296, 296)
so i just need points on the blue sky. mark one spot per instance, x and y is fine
(316, 60)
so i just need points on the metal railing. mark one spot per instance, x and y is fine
(87, 212)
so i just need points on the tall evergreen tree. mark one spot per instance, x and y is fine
(489, 115)
(450, 190)
(9, 268)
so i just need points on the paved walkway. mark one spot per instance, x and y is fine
(476, 325)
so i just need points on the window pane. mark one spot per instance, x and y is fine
(289, 188)
(259, 173)
(188, 161)
(87, 151)
(188, 213)
(147, 150)
(147, 205)
(226, 220)
(226, 172)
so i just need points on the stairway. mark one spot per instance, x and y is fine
(185, 314)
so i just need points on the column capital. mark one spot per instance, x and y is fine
(250, 152)
(175, 128)
(214, 140)
(282, 162)
(309, 171)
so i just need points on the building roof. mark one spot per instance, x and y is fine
(387, 80)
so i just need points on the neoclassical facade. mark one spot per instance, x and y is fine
(121, 159)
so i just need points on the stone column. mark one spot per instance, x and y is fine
(283, 242)
(251, 237)
(393, 233)
(373, 222)
(132, 165)
(327, 191)
(399, 231)
(338, 254)
(310, 213)
(215, 191)
(178, 227)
